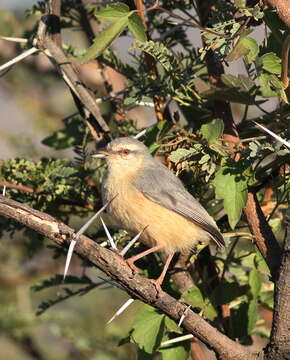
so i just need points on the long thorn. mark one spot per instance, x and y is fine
(131, 243)
(183, 315)
(4, 190)
(109, 236)
(140, 134)
(80, 232)
(14, 39)
(177, 339)
(277, 137)
(121, 309)
(19, 58)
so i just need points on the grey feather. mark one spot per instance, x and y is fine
(160, 185)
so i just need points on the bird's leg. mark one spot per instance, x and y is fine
(158, 282)
(132, 259)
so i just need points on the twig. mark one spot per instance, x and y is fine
(283, 10)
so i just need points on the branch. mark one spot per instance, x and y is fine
(49, 44)
(283, 10)
(136, 286)
(279, 346)
(259, 226)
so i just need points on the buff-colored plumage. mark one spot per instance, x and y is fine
(151, 197)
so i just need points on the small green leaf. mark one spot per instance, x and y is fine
(148, 328)
(193, 297)
(181, 154)
(247, 47)
(114, 11)
(105, 39)
(209, 311)
(233, 190)
(137, 27)
(265, 86)
(271, 62)
(213, 130)
(255, 283)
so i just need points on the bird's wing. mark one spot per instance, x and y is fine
(160, 185)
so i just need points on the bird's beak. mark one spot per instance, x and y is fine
(101, 153)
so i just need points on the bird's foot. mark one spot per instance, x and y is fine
(133, 267)
(157, 284)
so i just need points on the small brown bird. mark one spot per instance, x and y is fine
(151, 198)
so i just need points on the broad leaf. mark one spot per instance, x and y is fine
(148, 328)
(177, 351)
(213, 130)
(271, 63)
(105, 39)
(113, 11)
(233, 190)
(137, 27)
(247, 47)
(193, 297)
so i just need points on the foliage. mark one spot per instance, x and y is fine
(190, 141)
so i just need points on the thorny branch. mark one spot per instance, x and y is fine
(136, 286)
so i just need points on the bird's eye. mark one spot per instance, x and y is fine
(125, 152)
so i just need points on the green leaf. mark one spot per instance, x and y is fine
(171, 326)
(193, 297)
(181, 154)
(271, 62)
(114, 11)
(175, 351)
(148, 328)
(105, 39)
(247, 47)
(255, 283)
(137, 27)
(209, 311)
(213, 130)
(265, 85)
(232, 188)
(252, 315)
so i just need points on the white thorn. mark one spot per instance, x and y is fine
(140, 134)
(80, 232)
(109, 236)
(131, 243)
(89, 222)
(98, 156)
(4, 190)
(277, 137)
(177, 339)
(121, 309)
(14, 39)
(68, 257)
(183, 315)
(18, 58)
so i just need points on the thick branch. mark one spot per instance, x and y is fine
(283, 10)
(86, 103)
(279, 346)
(265, 239)
(115, 267)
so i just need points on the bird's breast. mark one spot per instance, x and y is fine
(134, 212)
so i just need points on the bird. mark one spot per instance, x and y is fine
(151, 199)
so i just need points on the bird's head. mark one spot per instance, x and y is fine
(126, 153)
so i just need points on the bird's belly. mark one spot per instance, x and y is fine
(134, 212)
